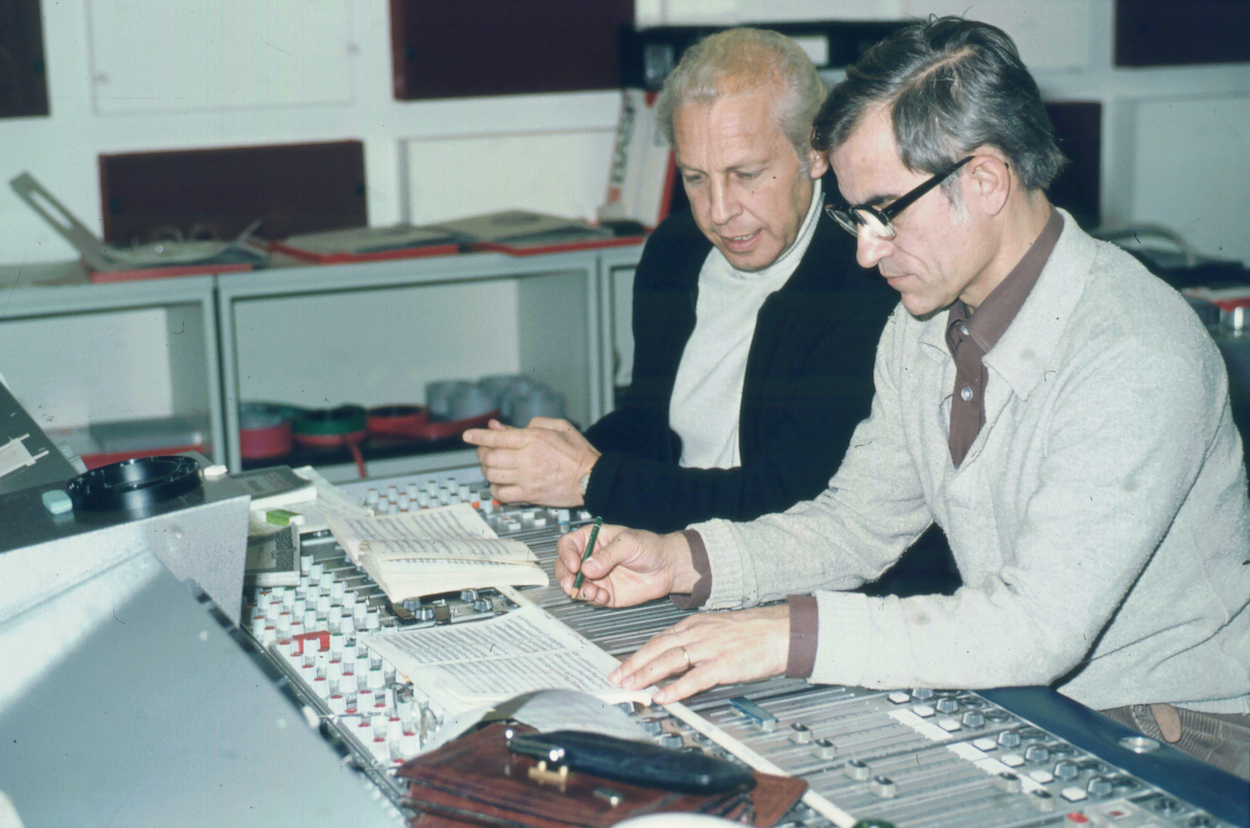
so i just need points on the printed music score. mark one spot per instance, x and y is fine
(433, 551)
(467, 666)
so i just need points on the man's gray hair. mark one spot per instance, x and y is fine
(953, 85)
(742, 60)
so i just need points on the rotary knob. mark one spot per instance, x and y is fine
(973, 718)
(1009, 739)
(1036, 753)
(1099, 786)
(947, 705)
(922, 694)
(1067, 770)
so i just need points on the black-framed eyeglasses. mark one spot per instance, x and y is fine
(877, 222)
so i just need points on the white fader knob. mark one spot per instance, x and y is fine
(883, 786)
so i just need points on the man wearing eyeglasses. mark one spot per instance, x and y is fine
(1062, 414)
(754, 331)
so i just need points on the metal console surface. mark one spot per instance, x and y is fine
(913, 757)
(158, 719)
(125, 696)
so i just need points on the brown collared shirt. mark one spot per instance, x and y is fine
(970, 337)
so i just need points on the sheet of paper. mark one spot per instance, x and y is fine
(408, 579)
(445, 533)
(461, 666)
(453, 726)
(549, 710)
(545, 710)
(485, 550)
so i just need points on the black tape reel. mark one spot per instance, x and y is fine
(135, 485)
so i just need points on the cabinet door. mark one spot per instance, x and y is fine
(736, 12)
(158, 56)
(560, 173)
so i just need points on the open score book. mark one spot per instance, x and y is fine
(476, 663)
(435, 550)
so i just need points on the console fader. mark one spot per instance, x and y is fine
(910, 757)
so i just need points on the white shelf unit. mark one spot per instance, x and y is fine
(315, 336)
(76, 353)
(375, 333)
(616, 291)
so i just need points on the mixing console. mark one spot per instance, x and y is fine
(917, 757)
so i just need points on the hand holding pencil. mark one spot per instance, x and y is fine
(590, 547)
(618, 567)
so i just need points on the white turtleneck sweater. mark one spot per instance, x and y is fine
(707, 395)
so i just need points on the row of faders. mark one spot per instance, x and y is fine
(931, 758)
(936, 758)
(309, 630)
(411, 495)
(311, 633)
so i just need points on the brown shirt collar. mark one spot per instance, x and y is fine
(991, 319)
(970, 336)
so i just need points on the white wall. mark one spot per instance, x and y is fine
(1174, 140)
(146, 75)
(136, 75)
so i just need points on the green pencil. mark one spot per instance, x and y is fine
(590, 547)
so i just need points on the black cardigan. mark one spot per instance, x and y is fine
(808, 384)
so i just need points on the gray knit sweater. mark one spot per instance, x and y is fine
(1100, 521)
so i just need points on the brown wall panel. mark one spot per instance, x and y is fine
(1078, 130)
(23, 74)
(468, 48)
(1178, 32)
(216, 193)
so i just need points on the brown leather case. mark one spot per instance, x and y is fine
(478, 781)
